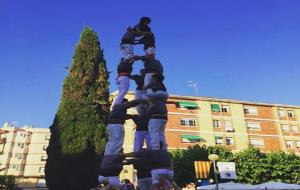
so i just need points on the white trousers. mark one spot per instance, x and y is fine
(116, 136)
(150, 51)
(157, 134)
(141, 108)
(127, 51)
(123, 84)
(148, 77)
(139, 138)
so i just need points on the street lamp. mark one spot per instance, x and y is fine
(214, 158)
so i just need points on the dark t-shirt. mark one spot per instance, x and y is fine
(125, 67)
(129, 37)
(139, 80)
(153, 66)
(111, 165)
(148, 40)
(141, 122)
(164, 160)
(141, 27)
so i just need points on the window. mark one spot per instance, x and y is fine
(257, 142)
(215, 108)
(294, 128)
(190, 139)
(225, 108)
(219, 140)
(216, 123)
(229, 140)
(253, 125)
(250, 110)
(16, 167)
(281, 113)
(47, 137)
(228, 126)
(290, 113)
(42, 170)
(227, 123)
(43, 158)
(285, 127)
(298, 144)
(289, 144)
(188, 122)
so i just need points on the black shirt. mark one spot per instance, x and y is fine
(125, 67)
(153, 66)
(139, 80)
(148, 40)
(141, 122)
(152, 156)
(141, 27)
(129, 37)
(118, 114)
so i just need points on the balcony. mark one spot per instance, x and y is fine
(2, 140)
(3, 131)
(229, 129)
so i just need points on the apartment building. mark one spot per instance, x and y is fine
(191, 120)
(224, 122)
(230, 123)
(23, 153)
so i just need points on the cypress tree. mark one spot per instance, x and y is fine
(78, 133)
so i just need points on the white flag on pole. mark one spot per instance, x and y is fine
(227, 170)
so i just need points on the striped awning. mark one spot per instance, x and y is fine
(202, 169)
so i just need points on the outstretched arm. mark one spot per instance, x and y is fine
(133, 103)
(157, 95)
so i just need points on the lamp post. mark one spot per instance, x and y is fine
(214, 158)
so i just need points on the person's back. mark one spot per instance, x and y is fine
(153, 66)
(129, 36)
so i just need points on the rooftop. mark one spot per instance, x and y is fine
(213, 99)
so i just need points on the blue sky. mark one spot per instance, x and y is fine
(238, 49)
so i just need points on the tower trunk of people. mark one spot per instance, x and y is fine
(153, 164)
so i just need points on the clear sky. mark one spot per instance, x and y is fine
(239, 49)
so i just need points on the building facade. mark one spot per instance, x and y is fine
(225, 122)
(191, 120)
(230, 123)
(23, 153)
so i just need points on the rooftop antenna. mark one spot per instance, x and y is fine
(194, 85)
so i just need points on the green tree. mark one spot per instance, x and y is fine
(251, 166)
(283, 167)
(78, 132)
(7, 181)
(183, 161)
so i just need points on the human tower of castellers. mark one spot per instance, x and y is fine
(153, 164)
